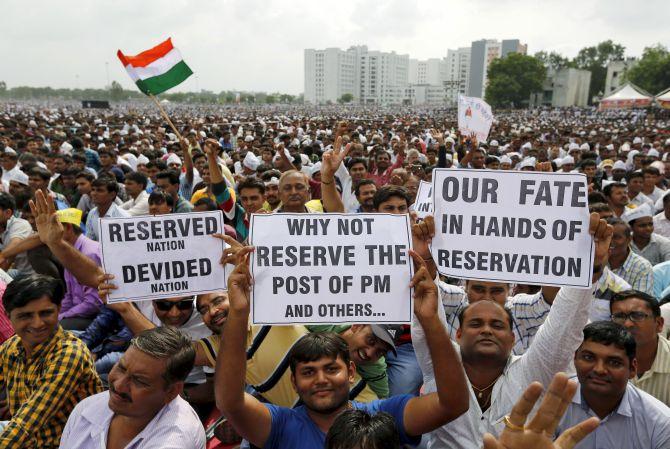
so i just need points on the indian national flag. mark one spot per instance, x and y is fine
(157, 69)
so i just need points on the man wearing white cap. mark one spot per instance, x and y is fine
(567, 164)
(646, 243)
(618, 171)
(505, 163)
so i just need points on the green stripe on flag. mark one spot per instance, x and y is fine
(159, 84)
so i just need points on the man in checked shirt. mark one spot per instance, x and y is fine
(44, 370)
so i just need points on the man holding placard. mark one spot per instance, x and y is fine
(486, 339)
(321, 373)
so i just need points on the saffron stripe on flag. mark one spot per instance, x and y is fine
(159, 84)
(147, 57)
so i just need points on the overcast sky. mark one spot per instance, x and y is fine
(258, 44)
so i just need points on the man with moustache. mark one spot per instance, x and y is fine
(143, 408)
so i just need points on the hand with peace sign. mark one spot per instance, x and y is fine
(332, 160)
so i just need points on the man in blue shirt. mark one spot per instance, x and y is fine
(322, 373)
(629, 417)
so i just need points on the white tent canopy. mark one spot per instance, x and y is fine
(627, 96)
(663, 99)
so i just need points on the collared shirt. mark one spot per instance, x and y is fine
(639, 422)
(137, 206)
(656, 381)
(662, 225)
(661, 280)
(17, 228)
(641, 199)
(529, 312)
(176, 425)
(182, 205)
(80, 300)
(552, 351)
(44, 388)
(92, 224)
(656, 251)
(637, 271)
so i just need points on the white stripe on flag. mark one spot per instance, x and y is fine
(158, 67)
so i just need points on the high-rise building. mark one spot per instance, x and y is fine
(372, 77)
(432, 71)
(482, 53)
(329, 74)
(458, 74)
(564, 88)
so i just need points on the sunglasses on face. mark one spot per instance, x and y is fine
(166, 306)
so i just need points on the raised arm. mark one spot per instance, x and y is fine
(50, 232)
(561, 333)
(250, 418)
(426, 413)
(188, 160)
(332, 202)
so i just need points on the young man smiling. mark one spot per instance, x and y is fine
(44, 371)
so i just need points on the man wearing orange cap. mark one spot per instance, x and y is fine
(81, 303)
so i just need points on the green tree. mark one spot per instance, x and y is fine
(345, 98)
(652, 72)
(116, 91)
(3, 88)
(595, 60)
(512, 79)
(553, 60)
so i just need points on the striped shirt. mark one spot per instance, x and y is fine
(637, 271)
(529, 312)
(656, 381)
(267, 364)
(44, 388)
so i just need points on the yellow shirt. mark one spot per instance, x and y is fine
(313, 206)
(268, 370)
(202, 193)
(43, 389)
(656, 381)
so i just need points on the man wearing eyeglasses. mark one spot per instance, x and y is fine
(641, 315)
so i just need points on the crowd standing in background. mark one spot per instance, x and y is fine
(191, 372)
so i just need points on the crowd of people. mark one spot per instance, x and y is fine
(191, 372)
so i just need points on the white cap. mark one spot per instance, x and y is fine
(573, 146)
(304, 159)
(526, 145)
(494, 143)
(639, 212)
(18, 176)
(568, 160)
(142, 159)
(449, 140)
(667, 142)
(251, 161)
(173, 159)
(637, 140)
(585, 147)
(9, 150)
(619, 165)
(506, 160)
(653, 153)
(316, 168)
(625, 147)
(528, 162)
(274, 181)
(249, 139)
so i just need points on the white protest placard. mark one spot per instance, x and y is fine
(330, 268)
(163, 256)
(423, 205)
(474, 116)
(512, 226)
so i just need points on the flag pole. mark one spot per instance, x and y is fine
(165, 116)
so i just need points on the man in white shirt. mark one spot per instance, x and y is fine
(496, 377)
(138, 204)
(661, 220)
(142, 409)
(103, 194)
